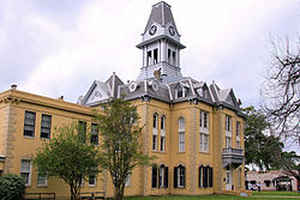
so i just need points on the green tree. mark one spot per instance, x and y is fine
(69, 157)
(121, 149)
(290, 163)
(260, 149)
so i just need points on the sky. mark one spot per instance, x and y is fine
(59, 47)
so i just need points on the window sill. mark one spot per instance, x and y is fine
(204, 152)
(28, 137)
(92, 185)
(42, 186)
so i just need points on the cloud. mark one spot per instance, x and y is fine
(60, 49)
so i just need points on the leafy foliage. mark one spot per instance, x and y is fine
(289, 162)
(260, 149)
(121, 149)
(69, 157)
(12, 187)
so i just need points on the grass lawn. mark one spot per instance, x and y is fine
(256, 196)
(275, 193)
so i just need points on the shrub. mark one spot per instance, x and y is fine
(12, 187)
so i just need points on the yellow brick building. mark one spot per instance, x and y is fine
(194, 129)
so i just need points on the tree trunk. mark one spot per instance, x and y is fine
(75, 192)
(119, 193)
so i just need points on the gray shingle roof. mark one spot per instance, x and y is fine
(161, 14)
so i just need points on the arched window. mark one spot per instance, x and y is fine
(163, 133)
(155, 120)
(179, 177)
(163, 176)
(205, 176)
(181, 134)
(154, 176)
(154, 131)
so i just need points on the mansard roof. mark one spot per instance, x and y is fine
(199, 91)
(161, 14)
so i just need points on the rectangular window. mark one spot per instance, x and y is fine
(204, 120)
(42, 180)
(29, 123)
(127, 182)
(26, 171)
(181, 141)
(154, 142)
(94, 134)
(204, 142)
(162, 143)
(46, 126)
(82, 130)
(92, 180)
(228, 123)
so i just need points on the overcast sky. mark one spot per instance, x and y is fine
(59, 47)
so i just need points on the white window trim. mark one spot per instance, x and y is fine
(92, 185)
(202, 128)
(202, 145)
(179, 141)
(178, 178)
(228, 120)
(156, 142)
(46, 181)
(128, 180)
(30, 171)
(163, 144)
(162, 174)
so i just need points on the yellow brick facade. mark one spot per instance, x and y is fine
(15, 146)
(183, 167)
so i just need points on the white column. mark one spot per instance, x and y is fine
(163, 50)
(177, 57)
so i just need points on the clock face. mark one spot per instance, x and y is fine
(172, 30)
(152, 30)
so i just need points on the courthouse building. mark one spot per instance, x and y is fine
(194, 128)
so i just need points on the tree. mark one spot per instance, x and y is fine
(289, 162)
(282, 89)
(260, 149)
(12, 187)
(69, 157)
(121, 149)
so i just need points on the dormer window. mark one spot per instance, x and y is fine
(200, 92)
(180, 92)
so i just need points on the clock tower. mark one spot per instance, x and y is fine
(161, 45)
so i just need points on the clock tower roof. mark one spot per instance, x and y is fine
(161, 14)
